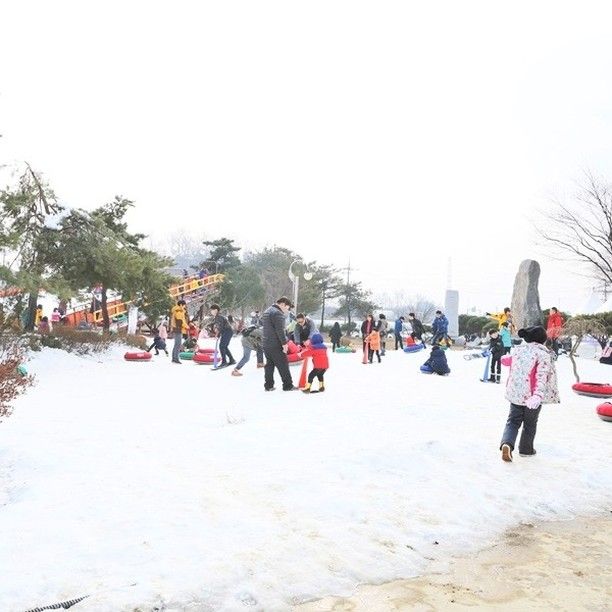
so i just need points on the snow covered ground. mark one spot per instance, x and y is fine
(206, 493)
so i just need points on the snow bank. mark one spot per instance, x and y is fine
(210, 494)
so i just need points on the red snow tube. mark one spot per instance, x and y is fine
(604, 411)
(292, 348)
(593, 389)
(294, 358)
(205, 350)
(137, 356)
(205, 357)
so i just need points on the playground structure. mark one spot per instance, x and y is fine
(191, 289)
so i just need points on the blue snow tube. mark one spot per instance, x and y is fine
(426, 369)
(413, 348)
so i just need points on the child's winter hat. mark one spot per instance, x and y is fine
(317, 339)
(533, 334)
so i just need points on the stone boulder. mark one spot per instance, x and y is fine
(525, 305)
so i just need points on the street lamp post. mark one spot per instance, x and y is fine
(295, 279)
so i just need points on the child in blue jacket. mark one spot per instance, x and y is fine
(506, 336)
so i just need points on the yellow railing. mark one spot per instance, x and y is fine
(189, 285)
(193, 283)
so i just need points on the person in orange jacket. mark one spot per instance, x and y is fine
(373, 340)
(320, 363)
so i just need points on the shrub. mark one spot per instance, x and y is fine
(79, 341)
(345, 327)
(489, 326)
(602, 320)
(137, 341)
(12, 382)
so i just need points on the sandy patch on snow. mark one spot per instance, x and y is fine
(551, 566)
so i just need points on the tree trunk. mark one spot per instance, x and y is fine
(32, 303)
(322, 312)
(348, 311)
(105, 317)
(572, 357)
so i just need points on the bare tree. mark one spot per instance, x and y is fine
(401, 304)
(423, 308)
(579, 328)
(582, 230)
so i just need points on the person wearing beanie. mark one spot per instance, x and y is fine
(532, 382)
(320, 363)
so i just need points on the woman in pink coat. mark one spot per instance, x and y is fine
(532, 382)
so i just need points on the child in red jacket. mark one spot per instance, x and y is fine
(318, 351)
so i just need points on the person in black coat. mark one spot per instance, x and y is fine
(159, 344)
(304, 329)
(335, 333)
(496, 346)
(223, 331)
(437, 361)
(274, 344)
(417, 327)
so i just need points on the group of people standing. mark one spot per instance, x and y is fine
(275, 342)
(532, 380)
(267, 336)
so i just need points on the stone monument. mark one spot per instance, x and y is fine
(451, 310)
(525, 305)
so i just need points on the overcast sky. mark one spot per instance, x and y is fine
(445, 124)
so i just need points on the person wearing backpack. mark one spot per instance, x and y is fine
(382, 328)
(252, 337)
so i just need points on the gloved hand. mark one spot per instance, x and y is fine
(533, 402)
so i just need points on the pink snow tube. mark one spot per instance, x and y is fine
(506, 360)
(593, 389)
(137, 356)
(604, 411)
